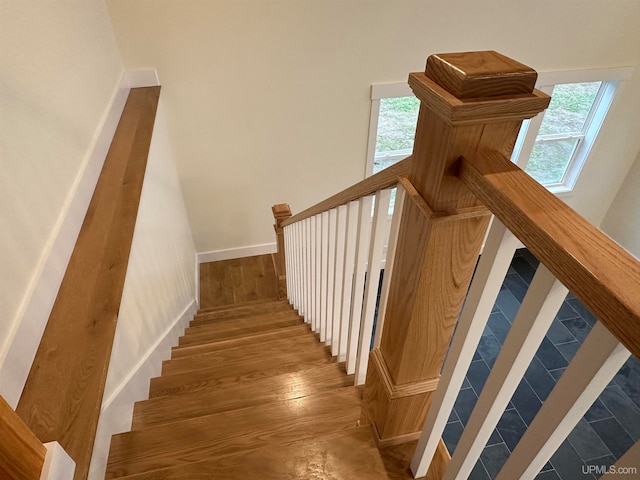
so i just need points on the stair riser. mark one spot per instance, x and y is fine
(287, 332)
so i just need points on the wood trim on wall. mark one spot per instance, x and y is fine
(62, 398)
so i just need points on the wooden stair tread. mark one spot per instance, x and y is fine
(236, 355)
(234, 431)
(195, 380)
(281, 387)
(348, 454)
(239, 332)
(223, 324)
(242, 328)
(249, 339)
(230, 311)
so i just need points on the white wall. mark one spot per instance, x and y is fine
(159, 296)
(268, 101)
(622, 222)
(59, 98)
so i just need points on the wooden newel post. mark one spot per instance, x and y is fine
(469, 102)
(281, 212)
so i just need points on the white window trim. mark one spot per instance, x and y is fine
(524, 144)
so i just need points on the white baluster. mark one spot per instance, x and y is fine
(307, 267)
(539, 307)
(331, 273)
(324, 273)
(362, 255)
(288, 248)
(314, 298)
(341, 235)
(300, 282)
(379, 236)
(388, 264)
(592, 368)
(298, 261)
(347, 285)
(485, 286)
(318, 273)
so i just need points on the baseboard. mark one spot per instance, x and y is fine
(240, 252)
(168, 338)
(141, 78)
(117, 408)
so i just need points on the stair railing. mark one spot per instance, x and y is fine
(472, 106)
(332, 249)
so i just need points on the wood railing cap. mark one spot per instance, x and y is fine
(480, 74)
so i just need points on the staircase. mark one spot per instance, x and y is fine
(250, 392)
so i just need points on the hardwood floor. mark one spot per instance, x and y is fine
(248, 393)
(241, 280)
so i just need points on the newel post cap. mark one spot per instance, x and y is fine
(478, 87)
(480, 74)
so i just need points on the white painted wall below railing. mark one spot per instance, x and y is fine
(61, 99)
(159, 295)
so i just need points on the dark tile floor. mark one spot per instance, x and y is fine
(607, 430)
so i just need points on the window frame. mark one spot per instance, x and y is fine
(611, 79)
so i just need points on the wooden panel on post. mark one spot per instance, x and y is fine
(21, 453)
(442, 227)
(281, 212)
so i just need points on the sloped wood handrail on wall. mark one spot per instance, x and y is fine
(62, 398)
(595, 268)
(21, 453)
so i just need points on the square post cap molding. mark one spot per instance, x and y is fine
(478, 87)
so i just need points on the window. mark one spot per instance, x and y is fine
(396, 129)
(551, 147)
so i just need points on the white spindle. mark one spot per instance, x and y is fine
(378, 238)
(287, 261)
(298, 284)
(388, 264)
(362, 255)
(301, 283)
(539, 307)
(314, 298)
(324, 273)
(341, 235)
(318, 271)
(307, 266)
(331, 272)
(487, 280)
(347, 284)
(592, 368)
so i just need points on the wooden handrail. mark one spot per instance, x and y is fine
(21, 453)
(604, 276)
(384, 179)
(62, 398)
